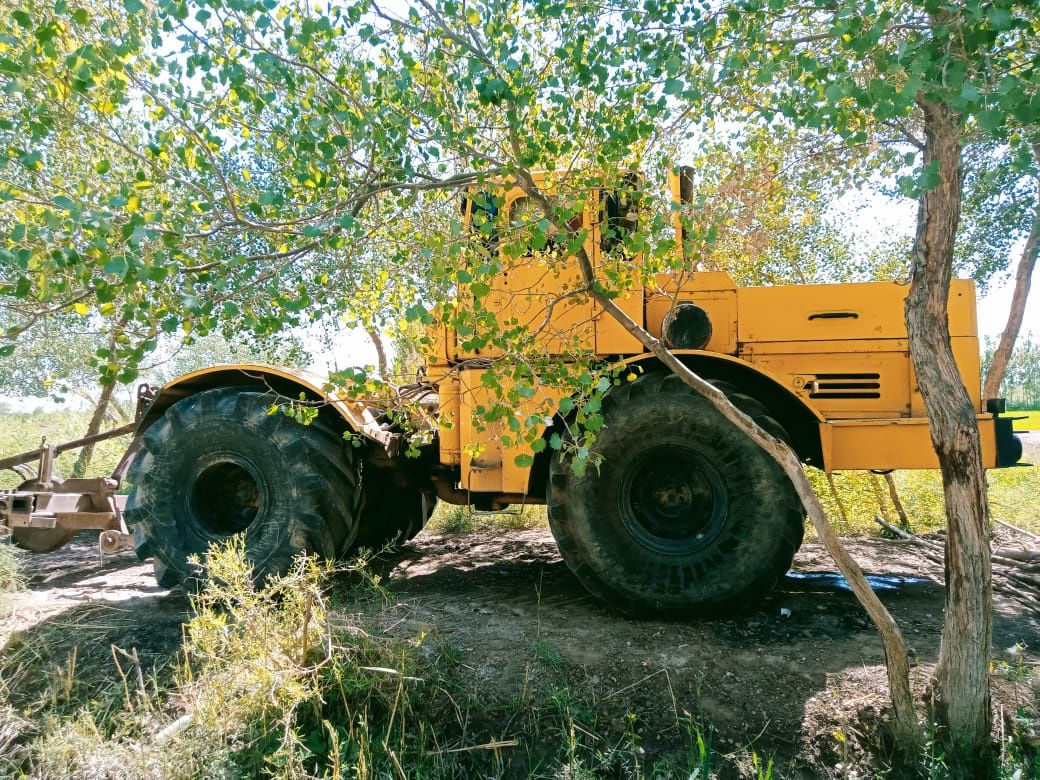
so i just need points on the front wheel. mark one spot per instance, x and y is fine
(684, 514)
(218, 464)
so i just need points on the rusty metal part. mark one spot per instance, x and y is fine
(43, 514)
(111, 542)
(57, 449)
(446, 488)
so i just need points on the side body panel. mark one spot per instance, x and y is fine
(839, 350)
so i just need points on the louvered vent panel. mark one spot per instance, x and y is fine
(845, 386)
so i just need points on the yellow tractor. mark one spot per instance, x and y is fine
(682, 512)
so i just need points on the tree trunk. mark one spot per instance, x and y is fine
(837, 500)
(962, 682)
(1023, 279)
(879, 496)
(905, 729)
(893, 493)
(96, 420)
(101, 409)
(380, 352)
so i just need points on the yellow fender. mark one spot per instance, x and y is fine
(281, 382)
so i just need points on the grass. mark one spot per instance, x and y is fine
(12, 577)
(857, 497)
(453, 519)
(294, 680)
(24, 432)
(301, 678)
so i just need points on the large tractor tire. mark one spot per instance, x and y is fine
(393, 513)
(218, 464)
(684, 514)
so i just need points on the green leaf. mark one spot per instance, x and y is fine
(524, 461)
(991, 121)
(930, 177)
(673, 86)
(117, 266)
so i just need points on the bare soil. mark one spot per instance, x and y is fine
(800, 678)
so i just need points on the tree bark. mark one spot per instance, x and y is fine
(961, 678)
(837, 500)
(377, 340)
(1023, 280)
(96, 420)
(879, 496)
(893, 493)
(905, 728)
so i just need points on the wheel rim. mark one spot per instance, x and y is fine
(672, 499)
(227, 496)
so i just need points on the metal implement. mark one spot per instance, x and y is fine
(45, 511)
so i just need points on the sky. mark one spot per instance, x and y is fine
(873, 215)
(994, 306)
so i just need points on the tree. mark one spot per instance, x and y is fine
(1003, 207)
(293, 140)
(957, 68)
(1021, 382)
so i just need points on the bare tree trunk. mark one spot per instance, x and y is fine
(1023, 279)
(101, 409)
(380, 352)
(96, 420)
(879, 496)
(962, 682)
(905, 727)
(893, 493)
(837, 500)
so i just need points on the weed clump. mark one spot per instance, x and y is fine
(12, 575)
(288, 691)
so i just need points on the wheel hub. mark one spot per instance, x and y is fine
(226, 496)
(672, 499)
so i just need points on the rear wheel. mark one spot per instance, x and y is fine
(395, 511)
(217, 464)
(685, 514)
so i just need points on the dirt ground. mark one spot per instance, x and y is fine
(788, 680)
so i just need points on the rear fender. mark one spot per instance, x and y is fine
(286, 383)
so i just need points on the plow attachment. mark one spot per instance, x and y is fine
(45, 511)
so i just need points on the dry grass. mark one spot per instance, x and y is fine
(12, 573)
